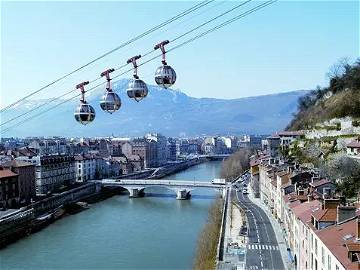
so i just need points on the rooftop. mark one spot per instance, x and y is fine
(16, 163)
(5, 173)
(339, 239)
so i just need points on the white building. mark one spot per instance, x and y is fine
(51, 172)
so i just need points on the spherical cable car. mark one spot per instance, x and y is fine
(137, 89)
(110, 101)
(84, 113)
(165, 75)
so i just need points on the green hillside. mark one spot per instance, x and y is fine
(340, 99)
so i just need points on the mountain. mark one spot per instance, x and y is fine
(167, 111)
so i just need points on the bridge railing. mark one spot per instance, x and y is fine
(162, 182)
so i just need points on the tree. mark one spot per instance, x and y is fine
(236, 164)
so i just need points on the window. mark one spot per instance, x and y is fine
(329, 263)
(337, 267)
(322, 255)
(316, 247)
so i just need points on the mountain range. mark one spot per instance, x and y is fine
(167, 111)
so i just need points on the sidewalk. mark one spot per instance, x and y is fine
(277, 229)
(234, 244)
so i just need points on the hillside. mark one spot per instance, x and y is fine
(331, 118)
(170, 112)
(339, 100)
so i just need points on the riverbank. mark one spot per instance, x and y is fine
(45, 212)
(208, 239)
(116, 232)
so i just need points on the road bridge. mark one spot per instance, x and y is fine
(182, 188)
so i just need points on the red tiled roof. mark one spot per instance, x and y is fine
(338, 238)
(319, 183)
(325, 215)
(5, 173)
(304, 210)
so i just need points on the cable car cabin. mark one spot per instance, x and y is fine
(84, 113)
(110, 102)
(137, 89)
(165, 76)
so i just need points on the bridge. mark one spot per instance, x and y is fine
(182, 188)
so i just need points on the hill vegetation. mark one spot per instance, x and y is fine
(340, 99)
(236, 164)
(205, 258)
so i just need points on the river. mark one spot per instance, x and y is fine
(153, 232)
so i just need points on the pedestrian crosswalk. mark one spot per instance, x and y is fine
(263, 247)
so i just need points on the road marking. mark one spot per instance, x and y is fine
(262, 247)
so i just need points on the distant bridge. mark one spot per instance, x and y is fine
(182, 188)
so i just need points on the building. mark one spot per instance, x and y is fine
(287, 137)
(274, 145)
(353, 148)
(161, 147)
(86, 168)
(49, 146)
(26, 173)
(9, 189)
(171, 149)
(146, 150)
(52, 172)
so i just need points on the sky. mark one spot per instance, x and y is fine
(287, 46)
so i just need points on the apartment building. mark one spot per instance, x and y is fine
(52, 172)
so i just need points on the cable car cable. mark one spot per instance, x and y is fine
(182, 14)
(124, 65)
(246, 13)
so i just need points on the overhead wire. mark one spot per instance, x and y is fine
(229, 21)
(159, 26)
(126, 64)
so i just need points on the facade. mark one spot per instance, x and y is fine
(353, 148)
(320, 228)
(160, 143)
(86, 168)
(9, 189)
(171, 149)
(274, 145)
(49, 146)
(26, 172)
(52, 172)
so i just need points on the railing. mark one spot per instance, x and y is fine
(162, 183)
(220, 248)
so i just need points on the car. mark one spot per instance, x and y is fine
(245, 191)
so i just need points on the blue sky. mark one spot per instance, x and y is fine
(287, 46)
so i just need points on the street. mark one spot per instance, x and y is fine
(262, 251)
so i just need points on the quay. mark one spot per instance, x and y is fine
(19, 223)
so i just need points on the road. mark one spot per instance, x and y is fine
(262, 249)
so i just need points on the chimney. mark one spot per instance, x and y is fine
(300, 192)
(310, 197)
(330, 203)
(314, 179)
(345, 213)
